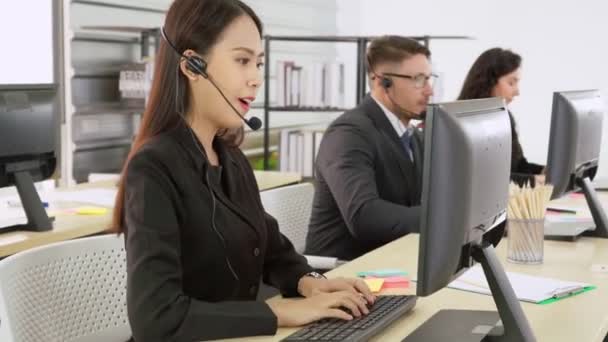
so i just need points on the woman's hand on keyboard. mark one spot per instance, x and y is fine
(309, 287)
(297, 312)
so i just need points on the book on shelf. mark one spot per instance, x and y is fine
(310, 84)
(135, 82)
(298, 150)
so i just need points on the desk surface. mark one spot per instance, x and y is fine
(273, 179)
(68, 227)
(580, 318)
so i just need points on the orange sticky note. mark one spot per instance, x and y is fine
(374, 284)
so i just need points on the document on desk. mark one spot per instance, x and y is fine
(568, 218)
(100, 197)
(97, 197)
(10, 216)
(538, 290)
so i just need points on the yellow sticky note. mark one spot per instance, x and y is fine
(91, 211)
(374, 284)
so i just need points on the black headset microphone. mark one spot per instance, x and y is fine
(198, 66)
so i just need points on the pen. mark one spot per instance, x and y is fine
(560, 210)
(566, 292)
(17, 204)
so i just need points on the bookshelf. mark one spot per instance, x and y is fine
(106, 97)
(361, 76)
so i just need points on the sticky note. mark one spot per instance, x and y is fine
(394, 282)
(383, 273)
(91, 211)
(374, 284)
(576, 195)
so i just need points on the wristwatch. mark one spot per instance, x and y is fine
(315, 275)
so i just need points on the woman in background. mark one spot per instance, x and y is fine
(497, 72)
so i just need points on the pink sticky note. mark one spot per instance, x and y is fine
(396, 282)
(576, 195)
(396, 286)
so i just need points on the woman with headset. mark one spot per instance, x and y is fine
(496, 72)
(198, 241)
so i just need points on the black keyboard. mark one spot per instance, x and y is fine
(383, 312)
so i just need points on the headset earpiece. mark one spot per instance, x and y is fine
(386, 82)
(197, 65)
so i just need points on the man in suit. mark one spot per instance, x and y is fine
(369, 166)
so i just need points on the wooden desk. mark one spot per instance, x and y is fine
(580, 318)
(266, 180)
(273, 179)
(68, 227)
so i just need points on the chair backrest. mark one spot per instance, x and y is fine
(291, 206)
(67, 291)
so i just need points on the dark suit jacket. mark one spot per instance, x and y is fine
(367, 190)
(522, 171)
(180, 287)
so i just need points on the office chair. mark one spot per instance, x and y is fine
(292, 206)
(67, 291)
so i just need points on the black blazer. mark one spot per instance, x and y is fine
(367, 190)
(179, 284)
(522, 171)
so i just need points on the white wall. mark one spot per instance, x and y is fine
(563, 45)
(27, 68)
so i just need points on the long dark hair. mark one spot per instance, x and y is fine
(189, 24)
(483, 76)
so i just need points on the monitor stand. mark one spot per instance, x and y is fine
(37, 219)
(474, 326)
(595, 206)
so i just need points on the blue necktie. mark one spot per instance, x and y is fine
(406, 141)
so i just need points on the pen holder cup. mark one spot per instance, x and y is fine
(525, 241)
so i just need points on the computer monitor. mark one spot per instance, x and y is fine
(574, 148)
(28, 125)
(465, 192)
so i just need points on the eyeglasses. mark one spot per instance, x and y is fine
(419, 80)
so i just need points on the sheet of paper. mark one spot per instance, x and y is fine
(527, 288)
(98, 197)
(11, 216)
